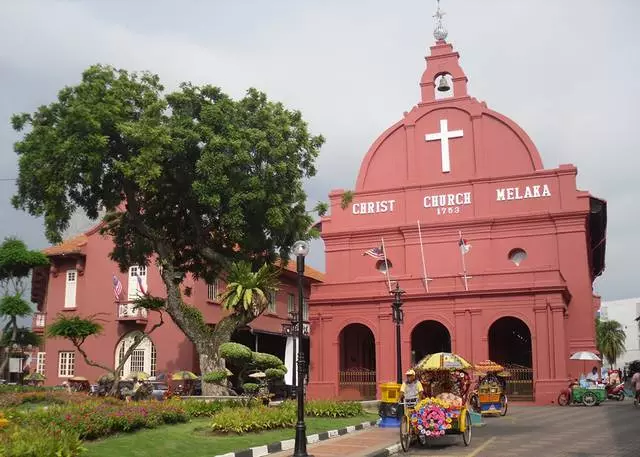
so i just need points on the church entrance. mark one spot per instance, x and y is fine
(357, 376)
(429, 337)
(510, 346)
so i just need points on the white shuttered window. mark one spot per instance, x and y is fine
(66, 364)
(70, 289)
(134, 290)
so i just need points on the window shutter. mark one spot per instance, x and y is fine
(132, 289)
(70, 289)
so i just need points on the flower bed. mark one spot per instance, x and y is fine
(97, 418)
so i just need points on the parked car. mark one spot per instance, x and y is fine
(158, 390)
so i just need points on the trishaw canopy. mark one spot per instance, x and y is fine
(443, 361)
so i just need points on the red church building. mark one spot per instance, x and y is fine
(80, 281)
(497, 255)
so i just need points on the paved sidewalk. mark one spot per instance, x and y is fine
(357, 444)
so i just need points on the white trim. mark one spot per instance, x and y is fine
(41, 360)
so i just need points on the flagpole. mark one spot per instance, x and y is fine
(386, 265)
(424, 265)
(464, 265)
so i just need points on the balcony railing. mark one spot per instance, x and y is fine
(128, 312)
(39, 320)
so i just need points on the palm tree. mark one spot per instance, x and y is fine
(610, 340)
(246, 290)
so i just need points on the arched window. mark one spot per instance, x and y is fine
(143, 358)
(517, 256)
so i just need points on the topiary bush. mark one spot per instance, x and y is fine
(264, 361)
(274, 373)
(236, 353)
(250, 387)
(215, 377)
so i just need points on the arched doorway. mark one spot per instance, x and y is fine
(357, 377)
(143, 358)
(429, 337)
(510, 345)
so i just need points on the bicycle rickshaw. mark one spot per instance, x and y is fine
(444, 411)
(490, 397)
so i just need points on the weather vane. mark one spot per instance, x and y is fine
(439, 32)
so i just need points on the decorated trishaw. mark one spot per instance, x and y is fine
(443, 411)
(489, 396)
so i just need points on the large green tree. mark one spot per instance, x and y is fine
(193, 179)
(16, 262)
(610, 340)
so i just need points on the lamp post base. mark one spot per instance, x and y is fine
(300, 449)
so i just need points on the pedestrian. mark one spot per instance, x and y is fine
(635, 385)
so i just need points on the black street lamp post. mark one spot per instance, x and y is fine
(290, 329)
(398, 316)
(300, 250)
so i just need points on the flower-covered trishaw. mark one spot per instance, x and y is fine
(490, 395)
(443, 411)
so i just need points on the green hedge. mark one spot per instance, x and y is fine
(243, 420)
(328, 408)
(264, 361)
(250, 387)
(274, 373)
(215, 377)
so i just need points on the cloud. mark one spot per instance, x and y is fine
(565, 71)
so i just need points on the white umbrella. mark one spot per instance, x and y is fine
(584, 355)
(257, 375)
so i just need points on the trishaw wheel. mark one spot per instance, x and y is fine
(466, 435)
(505, 405)
(589, 399)
(563, 399)
(474, 401)
(405, 434)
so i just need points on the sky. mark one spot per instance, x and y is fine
(566, 72)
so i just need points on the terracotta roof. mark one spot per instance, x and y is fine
(71, 246)
(309, 272)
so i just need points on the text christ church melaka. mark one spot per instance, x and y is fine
(452, 167)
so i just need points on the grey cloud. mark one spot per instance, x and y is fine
(565, 71)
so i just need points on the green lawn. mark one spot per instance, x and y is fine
(193, 439)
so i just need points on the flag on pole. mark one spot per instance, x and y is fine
(464, 249)
(376, 253)
(117, 287)
(141, 288)
(386, 265)
(424, 264)
(464, 246)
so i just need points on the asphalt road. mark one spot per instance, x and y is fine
(611, 429)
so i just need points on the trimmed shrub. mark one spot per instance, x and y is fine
(236, 353)
(274, 373)
(263, 361)
(215, 377)
(328, 408)
(250, 387)
(200, 408)
(243, 420)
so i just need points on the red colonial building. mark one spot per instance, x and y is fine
(80, 281)
(518, 290)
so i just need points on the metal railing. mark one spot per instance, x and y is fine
(361, 380)
(129, 311)
(520, 383)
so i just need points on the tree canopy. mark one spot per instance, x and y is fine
(610, 340)
(192, 178)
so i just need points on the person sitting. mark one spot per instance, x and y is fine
(411, 389)
(592, 377)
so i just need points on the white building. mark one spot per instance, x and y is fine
(625, 312)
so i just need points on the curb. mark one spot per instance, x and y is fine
(285, 445)
(386, 452)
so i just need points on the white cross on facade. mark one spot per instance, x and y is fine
(443, 135)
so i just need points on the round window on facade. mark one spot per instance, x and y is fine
(517, 256)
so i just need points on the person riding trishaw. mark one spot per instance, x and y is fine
(411, 388)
